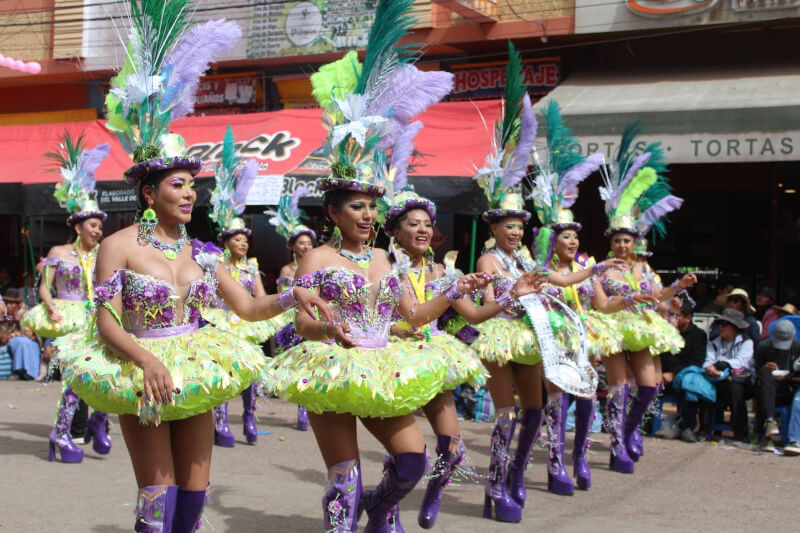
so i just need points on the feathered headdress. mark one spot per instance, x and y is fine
(229, 198)
(654, 205)
(399, 195)
(368, 106)
(560, 168)
(628, 177)
(287, 217)
(165, 57)
(514, 135)
(76, 193)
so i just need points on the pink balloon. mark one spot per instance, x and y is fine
(19, 65)
(33, 67)
(7, 62)
(2, 57)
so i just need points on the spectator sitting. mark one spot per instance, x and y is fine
(774, 314)
(774, 359)
(718, 303)
(765, 299)
(25, 353)
(692, 354)
(14, 307)
(702, 293)
(732, 349)
(739, 300)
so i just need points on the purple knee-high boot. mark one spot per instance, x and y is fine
(558, 480)
(249, 414)
(584, 416)
(302, 418)
(97, 429)
(189, 510)
(619, 461)
(449, 452)
(223, 436)
(530, 421)
(155, 509)
(639, 406)
(60, 437)
(402, 474)
(505, 508)
(340, 502)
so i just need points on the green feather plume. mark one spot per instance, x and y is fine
(542, 245)
(336, 79)
(643, 180)
(391, 24)
(173, 17)
(561, 145)
(626, 152)
(70, 154)
(515, 90)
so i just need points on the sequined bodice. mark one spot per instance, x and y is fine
(245, 275)
(150, 303)
(349, 294)
(584, 289)
(69, 281)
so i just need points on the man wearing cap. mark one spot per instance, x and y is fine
(732, 350)
(13, 304)
(774, 359)
(739, 300)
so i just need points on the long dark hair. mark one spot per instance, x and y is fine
(336, 198)
(153, 179)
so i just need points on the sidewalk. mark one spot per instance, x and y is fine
(276, 486)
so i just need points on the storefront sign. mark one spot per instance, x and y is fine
(266, 190)
(477, 10)
(709, 147)
(265, 147)
(489, 80)
(221, 92)
(597, 16)
(311, 27)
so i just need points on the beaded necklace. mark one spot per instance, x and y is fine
(362, 259)
(170, 251)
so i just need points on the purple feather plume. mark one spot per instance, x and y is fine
(247, 175)
(401, 154)
(298, 193)
(191, 57)
(517, 168)
(568, 185)
(659, 209)
(89, 163)
(638, 163)
(407, 93)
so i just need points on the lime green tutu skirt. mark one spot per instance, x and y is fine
(256, 332)
(504, 341)
(208, 366)
(603, 336)
(647, 330)
(75, 316)
(386, 382)
(461, 362)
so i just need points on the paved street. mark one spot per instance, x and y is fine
(276, 486)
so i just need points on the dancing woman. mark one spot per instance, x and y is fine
(228, 201)
(300, 239)
(559, 172)
(69, 273)
(645, 333)
(410, 219)
(150, 361)
(348, 369)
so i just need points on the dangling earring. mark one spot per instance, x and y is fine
(336, 238)
(430, 256)
(556, 260)
(147, 225)
(227, 253)
(294, 259)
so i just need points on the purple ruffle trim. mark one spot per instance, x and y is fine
(610, 232)
(330, 183)
(225, 234)
(418, 203)
(141, 170)
(496, 214)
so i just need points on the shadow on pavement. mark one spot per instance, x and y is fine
(245, 520)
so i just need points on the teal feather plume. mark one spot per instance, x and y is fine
(514, 91)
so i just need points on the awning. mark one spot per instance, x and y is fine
(454, 139)
(709, 116)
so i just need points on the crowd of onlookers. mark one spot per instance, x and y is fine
(740, 352)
